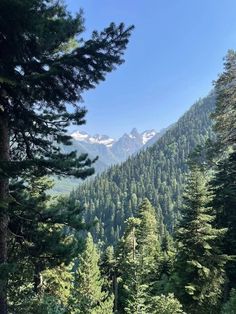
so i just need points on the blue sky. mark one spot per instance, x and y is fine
(174, 54)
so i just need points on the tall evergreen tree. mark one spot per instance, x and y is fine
(42, 76)
(148, 242)
(43, 234)
(225, 112)
(139, 251)
(132, 294)
(224, 181)
(223, 186)
(110, 272)
(199, 266)
(88, 295)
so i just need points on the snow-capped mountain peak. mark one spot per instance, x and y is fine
(148, 135)
(134, 135)
(93, 139)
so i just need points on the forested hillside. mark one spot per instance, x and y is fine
(169, 211)
(157, 173)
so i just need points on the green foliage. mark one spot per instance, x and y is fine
(43, 76)
(88, 292)
(199, 266)
(223, 183)
(165, 304)
(57, 283)
(225, 112)
(54, 292)
(47, 305)
(132, 295)
(224, 189)
(45, 67)
(157, 173)
(38, 224)
(138, 259)
(230, 306)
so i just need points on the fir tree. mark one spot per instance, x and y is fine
(199, 266)
(139, 251)
(88, 295)
(44, 232)
(223, 183)
(109, 270)
(45, 67)
(131, 290)
(148, 243)
(225, 112)
(223, 186)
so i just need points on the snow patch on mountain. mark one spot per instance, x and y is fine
(147, 136)
(95, 139)
(109, 150)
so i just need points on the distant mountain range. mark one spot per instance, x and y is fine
(109, 150)
(157, 173)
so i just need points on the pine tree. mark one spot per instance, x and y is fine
(110, 272)
(138, 255)
(45, 67)
(43, 235)
(223, 183)
(89, 296)
(44, 232)
(199, 266)
(225, 112)
(131, 290)
(165, 264)
(148, 243)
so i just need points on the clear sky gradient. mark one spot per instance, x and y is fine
(174, 54)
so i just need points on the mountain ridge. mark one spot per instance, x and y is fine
(108, 150)
(157, 172)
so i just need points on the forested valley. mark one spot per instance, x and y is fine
(155, 234)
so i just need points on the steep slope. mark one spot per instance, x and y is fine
(157, 173)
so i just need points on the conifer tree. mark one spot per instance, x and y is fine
(132, 291)
(166, 305)
(223, 186)
(44, 69)
(138, 259)
(110, 272)
(223, 183)
(199, 266)
(148, 243)
(88, 295)
(44, 232)
(225, 113)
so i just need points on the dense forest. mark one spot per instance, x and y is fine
(154, 235)
(157, 173)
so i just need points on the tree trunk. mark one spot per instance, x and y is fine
(4, 219)
(115, 288)
(38, 280)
